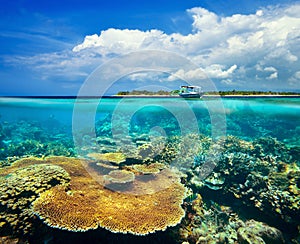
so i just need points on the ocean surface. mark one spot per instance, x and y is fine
(239, 159)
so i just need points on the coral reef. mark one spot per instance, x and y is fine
(114, 158)
(119, 177)
(208, 222)
(10, 240)
(258, 232)
(215, 181)
(262, 175)
(86, 204)
(34, 138)
(146, 152)
(20, 188)
(152, 168)
(254, 176)
(187, 147)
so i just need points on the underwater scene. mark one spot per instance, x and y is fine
(150, 170)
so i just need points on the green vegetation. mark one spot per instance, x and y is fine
(143, 92)
(245, 93)
(221, 93)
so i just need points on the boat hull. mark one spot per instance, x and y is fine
(190, 95)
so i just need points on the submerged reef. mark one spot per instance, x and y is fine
(20, 188)
(84, 204)
(114, 158)
(260, 175)
(34, 138)
(145, 169)
(119, 177)
(209, 222)
(242, 191)
(95, 206)
(258, 232)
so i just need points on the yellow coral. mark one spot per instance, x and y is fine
(63, 210)
(152, 168)
(20, 164)
(148, 206)
(119, 176)
(106, 166)
(21, 187)
(287, 178)
(112, 157)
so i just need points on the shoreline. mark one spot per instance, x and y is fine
(206, 96)
(158, 96)
(254, 96)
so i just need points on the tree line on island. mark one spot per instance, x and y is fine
(221, 93)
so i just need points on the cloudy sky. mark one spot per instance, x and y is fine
(51, 47)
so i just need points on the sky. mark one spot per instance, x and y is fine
(52, 47)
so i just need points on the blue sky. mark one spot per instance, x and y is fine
(51, 47)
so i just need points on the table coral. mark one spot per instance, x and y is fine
(147, 207)
(119, 177)
(112, 157)
(152, 168)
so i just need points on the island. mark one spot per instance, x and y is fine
(231, 93)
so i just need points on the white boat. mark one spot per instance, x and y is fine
(190, 91)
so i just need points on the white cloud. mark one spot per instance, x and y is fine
(261, 44)
(203, 19)
(273, 76)
(189, 75)
(297, 75)
(274, 72)
(146, 76)
(270, 69)
(120, 41)
(228, 82)
(218, 71)
(295, 79)
(259, 13)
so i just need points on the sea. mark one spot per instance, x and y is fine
(237, 157)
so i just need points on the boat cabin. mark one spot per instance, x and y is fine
(190, 91)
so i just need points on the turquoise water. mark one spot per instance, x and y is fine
(246, 118)
(75, 127)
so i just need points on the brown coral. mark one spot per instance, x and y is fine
(21, 187)
(148, 206)
(258, 232)
(145, 208)
(20, 164)
(116, 158)
(119, 177)
(145, 169)
(70, 210)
